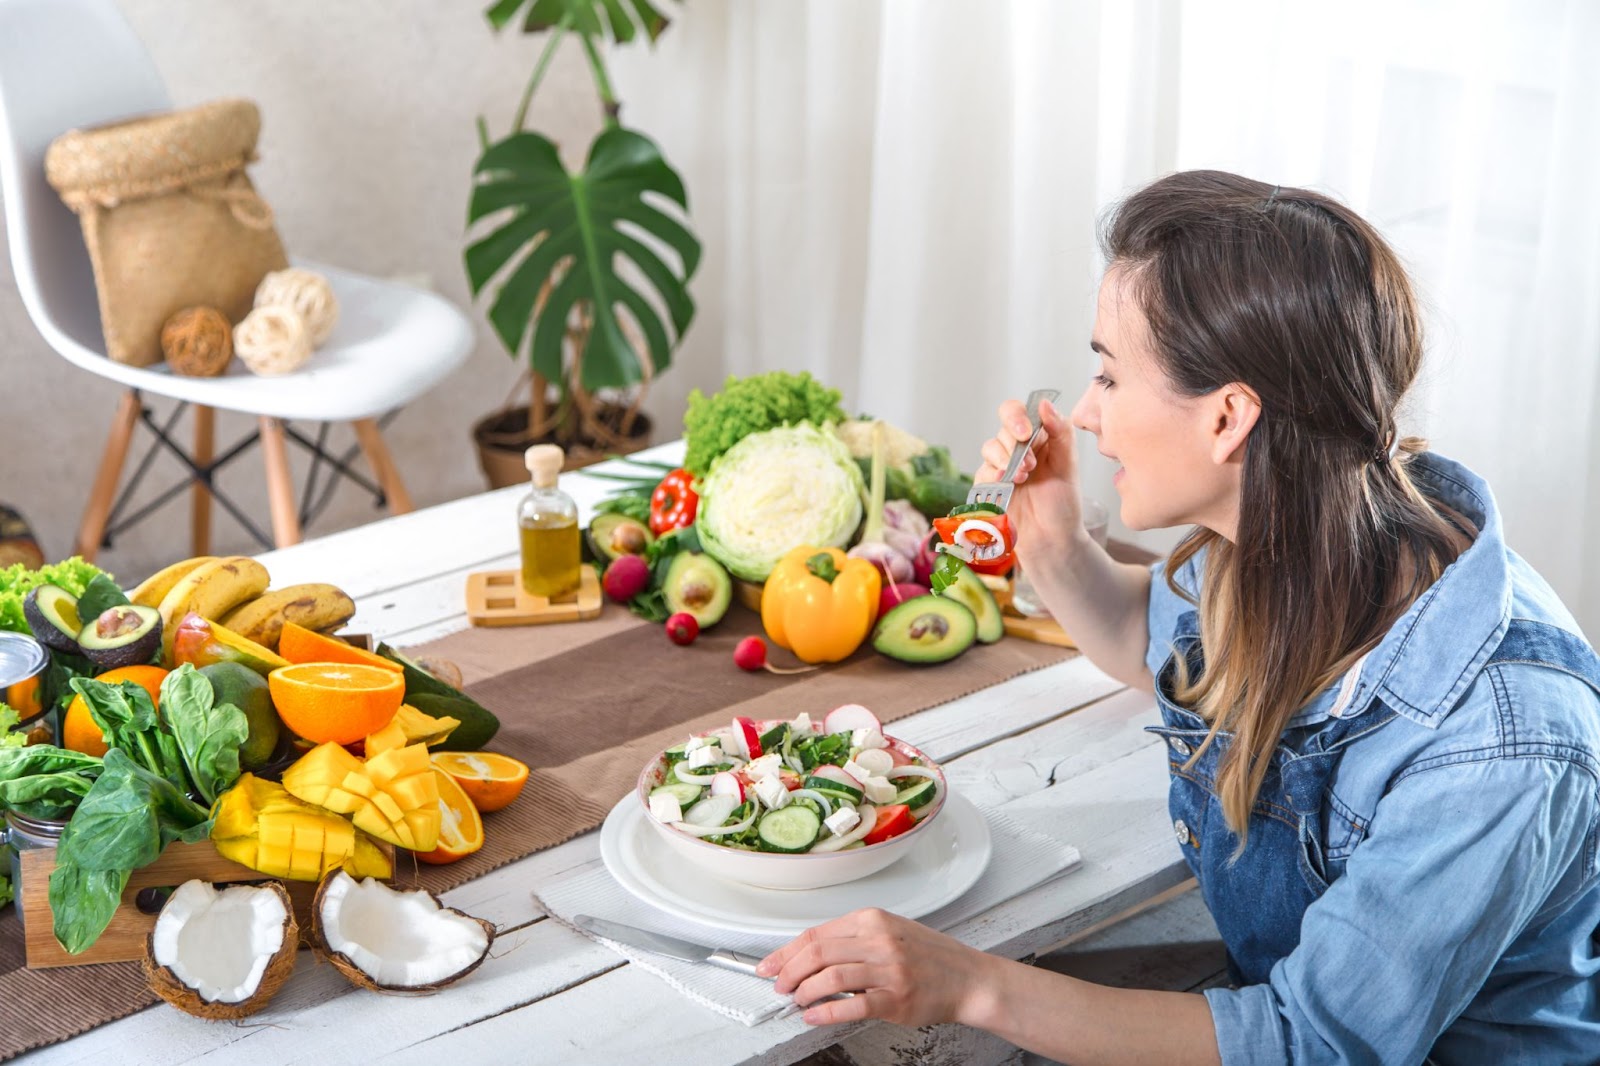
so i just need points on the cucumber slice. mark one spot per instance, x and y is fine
(682, 791)
(833, 789)
(790, 829)
(917, 795)
(775, 738)
(676, 751)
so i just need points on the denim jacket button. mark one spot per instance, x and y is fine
(1180, 829)
(1179, 747)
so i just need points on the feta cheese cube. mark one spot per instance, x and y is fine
(867, 737)
(802, 723)
(771, 792)
(664, 807)
(766, 766)
(879, 790)
(842, 821)
(695, 743)
(856, 770)
(702, 757)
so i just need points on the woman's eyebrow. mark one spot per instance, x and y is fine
(1096, 346)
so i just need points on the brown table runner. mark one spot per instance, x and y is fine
(585, 705)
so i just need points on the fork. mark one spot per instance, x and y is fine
(998, 493)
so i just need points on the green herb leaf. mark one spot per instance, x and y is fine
(101, 595)
(603, 19)
(208, 735)
(44, 781)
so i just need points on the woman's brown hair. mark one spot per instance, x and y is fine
(1293, 295)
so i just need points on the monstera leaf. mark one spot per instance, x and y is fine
(576, 231)
(619, 19)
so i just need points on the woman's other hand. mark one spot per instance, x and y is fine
(899, 971)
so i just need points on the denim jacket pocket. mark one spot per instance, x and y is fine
(1342, 829)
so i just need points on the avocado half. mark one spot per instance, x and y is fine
(52, 613)
(122, 636)
(697, 584)
(611, 535)
(925, 629)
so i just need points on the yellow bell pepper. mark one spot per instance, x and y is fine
(820, 604)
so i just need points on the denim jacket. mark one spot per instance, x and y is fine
(1422, 875)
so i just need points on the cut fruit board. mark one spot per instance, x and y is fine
(497, 598)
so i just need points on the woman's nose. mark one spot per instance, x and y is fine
(1086, 412)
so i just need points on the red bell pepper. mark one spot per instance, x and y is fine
(673, 503)
(988, 536)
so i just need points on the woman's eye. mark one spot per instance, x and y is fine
(1103, 381)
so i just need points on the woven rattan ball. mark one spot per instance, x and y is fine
(305, 291)
(272, 340)
(197, 342)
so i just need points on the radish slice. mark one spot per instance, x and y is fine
(830, 772)
(869, 818)
(747, 737)
(875, 761)
(710, 812)
(848, 719)
(815, 797)
(728, 784)
(717, 830)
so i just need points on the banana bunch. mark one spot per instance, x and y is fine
(233, 592)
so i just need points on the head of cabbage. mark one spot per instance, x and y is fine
(776, 490)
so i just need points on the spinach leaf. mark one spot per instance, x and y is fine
(55, 687)
(209, 735)
(101, 594)
(127, 718)
(129, 815)
(44, 781)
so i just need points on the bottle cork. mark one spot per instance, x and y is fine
(544, 463)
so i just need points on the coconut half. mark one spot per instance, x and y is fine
(222, 954)
(395, 941)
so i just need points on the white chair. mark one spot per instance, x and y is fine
(76, 63)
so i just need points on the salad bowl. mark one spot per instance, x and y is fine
(792, 805)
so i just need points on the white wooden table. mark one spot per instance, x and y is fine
(1061, 749)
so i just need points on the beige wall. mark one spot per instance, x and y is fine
(368, 139)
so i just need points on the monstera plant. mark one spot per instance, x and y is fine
(585, 272)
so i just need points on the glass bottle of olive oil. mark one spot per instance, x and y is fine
(548, 520)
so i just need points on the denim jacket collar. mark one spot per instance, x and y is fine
(1434, 652)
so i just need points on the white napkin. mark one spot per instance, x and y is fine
(1021, 859)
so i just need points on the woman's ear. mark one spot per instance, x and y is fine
(1237, 407)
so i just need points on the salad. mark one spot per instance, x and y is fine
(795, 786)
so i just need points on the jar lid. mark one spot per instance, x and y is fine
(21, 657)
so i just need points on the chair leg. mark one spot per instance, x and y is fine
(104, 493)
(200, 505)
(383, 466)
(280, 486)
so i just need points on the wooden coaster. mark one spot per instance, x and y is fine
(1043, 630)
(497, 598)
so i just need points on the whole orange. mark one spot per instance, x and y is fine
(341, 702)
(78, 730)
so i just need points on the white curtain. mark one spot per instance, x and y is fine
(901, 196)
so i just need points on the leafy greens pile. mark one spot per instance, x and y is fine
(145, 796)
(713, 424)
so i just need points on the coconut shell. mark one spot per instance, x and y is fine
(164, 983)
(359, 977)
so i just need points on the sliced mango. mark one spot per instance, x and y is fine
(420, 728)
(388, 738)
(380, 794)
(261, 825)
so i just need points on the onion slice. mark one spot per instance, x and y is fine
(814, 796)
(869, 818)
(715, 830)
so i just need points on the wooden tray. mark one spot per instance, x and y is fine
(124, 938)
(497, 598)
(1042, 630)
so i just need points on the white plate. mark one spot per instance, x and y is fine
(951, 856)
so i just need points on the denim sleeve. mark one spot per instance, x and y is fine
(1459, 858)
(1166, 607)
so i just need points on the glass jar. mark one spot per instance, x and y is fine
(26, 834)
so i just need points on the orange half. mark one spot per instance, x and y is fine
(301, 645)
(460, 828)
(489, 779)
(341, 702)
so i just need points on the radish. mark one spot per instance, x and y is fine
(849, 718)
(728, 784)
(900, 757)
(893, 596)
(749, 737)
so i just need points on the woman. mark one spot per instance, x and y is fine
(1383, 728)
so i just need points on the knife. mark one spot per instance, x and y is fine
(670, 946)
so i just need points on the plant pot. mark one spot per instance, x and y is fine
(502, 437)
